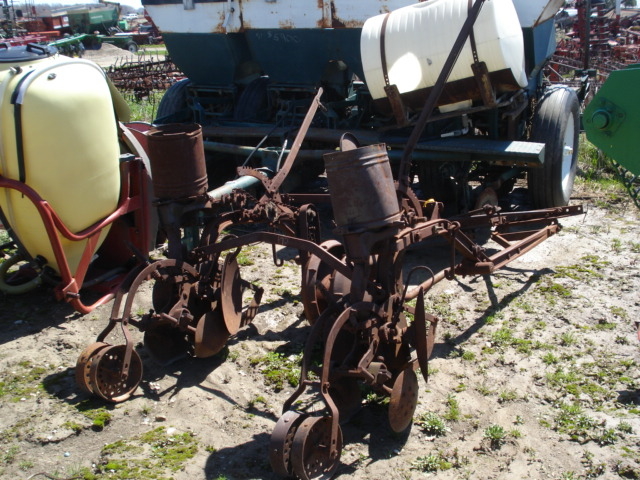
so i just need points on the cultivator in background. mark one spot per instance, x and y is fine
(599, 41)
(142, 77)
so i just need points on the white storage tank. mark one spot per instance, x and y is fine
(418, 39)
(58, 136)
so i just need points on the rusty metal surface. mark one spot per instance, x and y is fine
(315, 452)
(112, 375)
(177, 160)
(144, 76)
(404, 399)
(282, 440)
(83, 365)
(211, 334)
(363, 193)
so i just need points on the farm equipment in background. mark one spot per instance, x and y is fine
(463, 131)
(251, 77)
(598, 37)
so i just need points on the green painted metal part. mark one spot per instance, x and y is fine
(612, 118)
(611, 122)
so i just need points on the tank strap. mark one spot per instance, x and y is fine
(383, 53)
(17, 115)
(472, 38)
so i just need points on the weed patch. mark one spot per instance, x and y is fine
(152, 455)
(279, 369)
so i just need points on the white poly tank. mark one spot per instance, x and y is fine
(417, 42)
(58, 135)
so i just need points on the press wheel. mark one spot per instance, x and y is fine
(311, 449)
(404, 398)
(83, 365)
(211, 335)
(282, 441)
(106, 376)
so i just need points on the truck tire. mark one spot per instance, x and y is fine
(132, 47)
(556, 124)
(173, 105)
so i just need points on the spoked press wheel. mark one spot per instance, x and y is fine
(311, 450)
(556, 124)
(107, 377)
(282, 441)
(83, 365)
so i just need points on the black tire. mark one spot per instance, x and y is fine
(132, 47)
(555, 123)
(173, 106)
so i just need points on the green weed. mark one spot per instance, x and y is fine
(468, 355)
(431, 463)
(507, 396)
(152, 455)
(496, 435)
(453, 409)
(22, 381)
(572, 421)
(96, 412)
(144, 110)
(432, 424)
(279, 369)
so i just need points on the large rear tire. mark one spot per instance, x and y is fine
(556, 124)
(173, 106)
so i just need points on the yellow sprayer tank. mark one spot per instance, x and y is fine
(58, 135)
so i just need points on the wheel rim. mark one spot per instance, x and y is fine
(83, 365)
(568, 150)
(310, 452)
(106, 377)
(282, 440)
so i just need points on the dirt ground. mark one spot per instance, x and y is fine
(534, 375)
